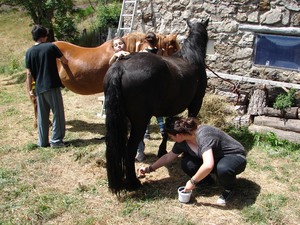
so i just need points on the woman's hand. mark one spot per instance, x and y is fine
(143, 170)
(189, 186)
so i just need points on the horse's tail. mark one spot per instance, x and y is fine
(116, 130)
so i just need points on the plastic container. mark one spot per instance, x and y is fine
(184, 197)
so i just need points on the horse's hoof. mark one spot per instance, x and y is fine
(134, 185)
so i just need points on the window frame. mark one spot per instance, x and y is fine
(269, 59)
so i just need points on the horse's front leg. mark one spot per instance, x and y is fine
(196, 104)
(162, 150)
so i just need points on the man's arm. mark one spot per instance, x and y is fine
(63, 60)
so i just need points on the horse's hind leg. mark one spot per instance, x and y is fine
(136, 135)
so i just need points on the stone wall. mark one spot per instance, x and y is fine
(232, 28)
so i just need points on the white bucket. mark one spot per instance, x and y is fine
(183, 196)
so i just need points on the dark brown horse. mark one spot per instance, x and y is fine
(145, 85)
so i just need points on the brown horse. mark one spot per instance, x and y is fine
(87, 66)
(135, 42)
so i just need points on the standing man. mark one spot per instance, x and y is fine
(41, 67)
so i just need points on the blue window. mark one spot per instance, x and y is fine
(277, 51)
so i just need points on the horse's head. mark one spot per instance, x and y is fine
(170, 44)
(132, 40)
(199, 30)
(204, 23)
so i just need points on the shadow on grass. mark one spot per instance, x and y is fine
(85, 142)
(246, 193)
(72, 143)
(81, 126)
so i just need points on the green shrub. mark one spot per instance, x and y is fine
(108, 15)
(84, 13)
(275, 146)
(285, 100)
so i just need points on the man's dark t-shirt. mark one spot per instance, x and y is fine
(209, 137)
(41, 61)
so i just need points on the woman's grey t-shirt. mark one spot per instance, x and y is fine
(209, 137)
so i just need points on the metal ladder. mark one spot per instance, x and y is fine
(127, 16)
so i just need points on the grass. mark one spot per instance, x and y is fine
(15, 39)
(69, 185)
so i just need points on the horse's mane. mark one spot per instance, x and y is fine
(195, 42)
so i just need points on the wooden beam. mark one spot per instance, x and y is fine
(270, 30)
(278, 123)
(284, 135)
(254, 80)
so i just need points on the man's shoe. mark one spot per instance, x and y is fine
(225, 197)
(60, 145)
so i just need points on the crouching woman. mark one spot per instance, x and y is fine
(206, 150)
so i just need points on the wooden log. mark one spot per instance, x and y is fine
(233, 97)
(284, 135)
(278, 123)
(291, 113)
(258, 102)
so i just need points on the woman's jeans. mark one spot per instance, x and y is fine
(225, 169)
(160, 122)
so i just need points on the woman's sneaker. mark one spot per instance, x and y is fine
(140, 157)
(225, 197)
(147, 137)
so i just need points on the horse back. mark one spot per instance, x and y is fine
(86, 67)
(156, 83)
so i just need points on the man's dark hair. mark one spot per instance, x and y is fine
(38, 32)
